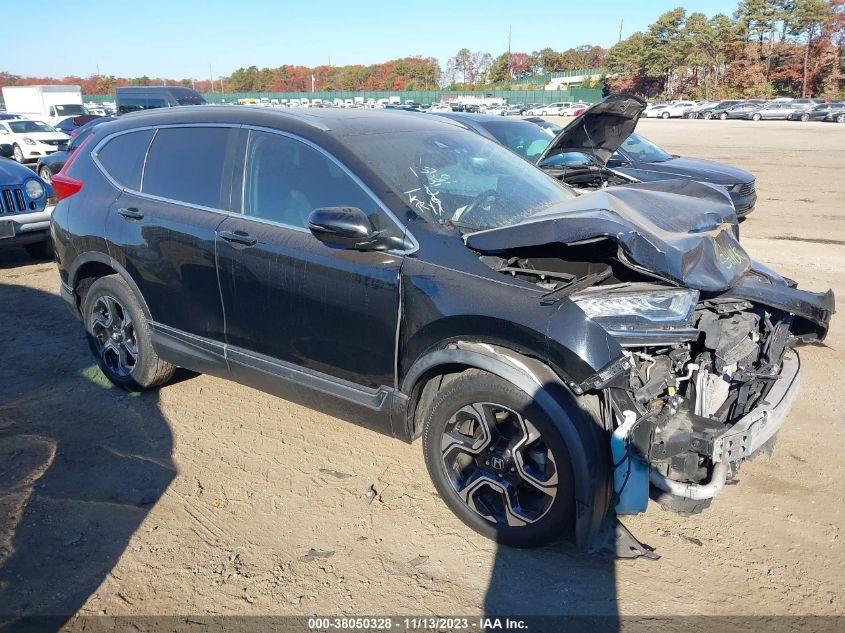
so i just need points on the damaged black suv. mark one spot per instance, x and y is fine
(560, 355)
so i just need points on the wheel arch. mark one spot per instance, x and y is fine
(588, 448)
(88, 267)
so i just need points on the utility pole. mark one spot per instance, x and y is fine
(621, 22)
(510, 68)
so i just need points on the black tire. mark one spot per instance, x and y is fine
(551, 514)
(40, 250)
(147, 370)
(805, 117)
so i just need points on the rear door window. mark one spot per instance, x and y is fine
(189, 165)
(123, 157)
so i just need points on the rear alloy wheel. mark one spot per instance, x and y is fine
(840, 118)
(46, 174)
(498, 461)
(665, 115)
(708, 116)
(723, 116)
(17, 153)
(805, 117)
(756, 117)
(120, 338)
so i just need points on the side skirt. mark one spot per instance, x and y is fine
(370, 408)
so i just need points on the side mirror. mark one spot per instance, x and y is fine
(343, 227)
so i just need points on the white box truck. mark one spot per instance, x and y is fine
(50, 104)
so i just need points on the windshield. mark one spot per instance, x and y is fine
(642, 150)
(73, 109)
(459, 177)
(526, 139)
(22, 127)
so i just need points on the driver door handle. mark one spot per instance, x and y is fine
(238, 237)
(131, 213)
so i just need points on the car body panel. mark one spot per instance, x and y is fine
(23, 219)
(680, 230)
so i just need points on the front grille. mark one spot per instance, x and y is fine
(54, 143)
(747, 189)
(12, 200)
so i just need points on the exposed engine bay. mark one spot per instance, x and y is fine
(697, 372)
(588, 177)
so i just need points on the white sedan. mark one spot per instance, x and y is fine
(31, 140)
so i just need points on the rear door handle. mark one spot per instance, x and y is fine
(238, 237)
(131, 213)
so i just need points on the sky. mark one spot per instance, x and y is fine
(181, 38)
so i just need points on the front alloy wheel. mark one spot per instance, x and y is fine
(18, 154)
(498, 464)
(46, 174)
(498, 461)
(840, 118)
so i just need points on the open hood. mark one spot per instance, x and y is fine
(600, 130)
(679, 230)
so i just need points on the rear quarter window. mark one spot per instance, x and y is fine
(123, 157)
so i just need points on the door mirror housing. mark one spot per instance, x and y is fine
(344, 227)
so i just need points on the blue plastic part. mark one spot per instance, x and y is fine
(630, 475)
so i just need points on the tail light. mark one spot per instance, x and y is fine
(64, 186)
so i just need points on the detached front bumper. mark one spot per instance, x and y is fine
(745, 438)
(752, 431)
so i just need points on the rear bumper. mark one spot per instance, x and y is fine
(69, 297)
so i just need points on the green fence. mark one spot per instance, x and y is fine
(419, 96)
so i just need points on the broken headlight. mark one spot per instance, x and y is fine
(655, 309)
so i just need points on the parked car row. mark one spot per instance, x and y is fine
(750, 109)
(618, 156)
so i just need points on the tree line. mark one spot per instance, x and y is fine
(766, 48)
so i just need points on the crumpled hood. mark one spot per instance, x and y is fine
(600, 130)
(680, 230)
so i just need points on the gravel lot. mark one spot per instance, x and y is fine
(211, 498)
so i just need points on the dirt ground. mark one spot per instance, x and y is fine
(212, 498)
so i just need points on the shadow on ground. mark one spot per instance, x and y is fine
(81, 463)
